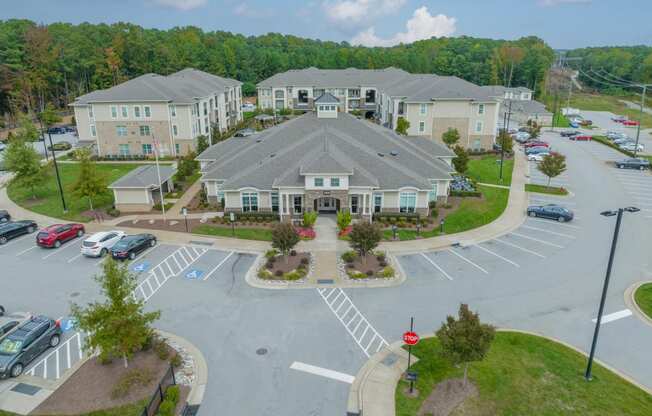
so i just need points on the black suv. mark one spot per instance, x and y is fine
(4, 216)
(132, 245)
(26, 342)
(640, 164)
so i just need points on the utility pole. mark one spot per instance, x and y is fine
(640, 119)
(502, 138)
(56, 170)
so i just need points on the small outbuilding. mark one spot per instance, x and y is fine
(138, 191)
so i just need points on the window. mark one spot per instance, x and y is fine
(422, 109)
(354, 93)
(121, 131)
(280, 104)
(124, 149)
(249, 201)
(173, 110)
(354, 204)
(335, 182)
(144, 130)
(478, 126)
(481, 109)
(148, 111)
(370, 96)
(407, 201)
(274, 201)
(432, 194)
(378, 202)
(124, 111)
(279, 94)
(422, 126)
(205, 109)
(401, 107)
(147, 149)
(175, 130)
(206, 125)
(93, 130)
(177, 148)
(341, 92)
(297, 204)
(137, 111)
(289, 90)
(477, 144)
(319, 182)
(90, 111)
(114, 111)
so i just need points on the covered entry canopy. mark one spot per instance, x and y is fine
(134, 192)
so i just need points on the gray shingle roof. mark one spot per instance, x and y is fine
(327, 98)
(499, 90)
(145, 177)
(528, 107)
(276, 157)
(181, 87)
(326, 161)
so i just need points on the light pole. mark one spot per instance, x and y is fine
(505, 132)
(619, 215)
(56, 170)
(640, 119)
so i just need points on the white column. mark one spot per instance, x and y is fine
(280, 205)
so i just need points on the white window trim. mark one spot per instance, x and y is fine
(314, 182)
(124, 111)
(147, 109)
(416, 197)
(330, 182)
(114, 115)
(93, 130)
(481, 109)
(140, 111)
(479, 124)
(175, 130)
(423, 109)
(91, 114)
(422, 127)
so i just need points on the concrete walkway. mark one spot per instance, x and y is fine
(185, 199)
(324, 248)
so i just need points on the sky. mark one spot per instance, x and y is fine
(564, 24)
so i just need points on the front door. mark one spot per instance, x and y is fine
(326, 204)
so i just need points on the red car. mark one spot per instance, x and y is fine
(582, 137)
(536, 143)
(630, 123)
(55, 235)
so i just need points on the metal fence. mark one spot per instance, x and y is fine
(156, 399)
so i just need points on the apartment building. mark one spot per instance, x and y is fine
(172, 110)
(430, 103)
(523, 107)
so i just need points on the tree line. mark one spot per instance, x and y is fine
(55, 63)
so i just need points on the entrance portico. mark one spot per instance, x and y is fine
(327, 205)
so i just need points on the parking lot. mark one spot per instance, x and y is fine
(603, 120)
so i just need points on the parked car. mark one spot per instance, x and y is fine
(582, 137)
(13, 229)
(10, 322)
(586, 123)
(57, 130)
(245, 132)
(60, 146)
(633, 163)
(537, 157)
(537, 149)
(536, 143)
(26, 342)
(630, 123)
(2, 310)
(70, 129)
(4, 216)
(132, 245)
(622, 140)
(574, 124)
(618, 119)
(632, 147)
(521, 137)
(552, 211)
(613, 135)
(248, 107)
(568, 133)
(99, 244)
(55, 235)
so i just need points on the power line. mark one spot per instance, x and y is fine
(622, 83)
(600, 81)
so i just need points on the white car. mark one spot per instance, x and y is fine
(630, 146)
(99, 244)
(537, 157)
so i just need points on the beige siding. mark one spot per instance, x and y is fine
(131, 196)
(264, 200)
(109, 140)
(232, 200)
(83, 123)
(390, 200)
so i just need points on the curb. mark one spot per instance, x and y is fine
(630, 301)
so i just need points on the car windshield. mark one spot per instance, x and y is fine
(10, 346)
(121, 244)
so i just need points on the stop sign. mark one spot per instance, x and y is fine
(410, 338)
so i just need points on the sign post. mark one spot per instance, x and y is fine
(184, 211)
(410, 338)
(232, 218)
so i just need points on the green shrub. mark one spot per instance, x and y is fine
(434, 212)
(113, 212)
(166, 408)
(176, 360)
(400, 224)
(172, 394)
(388, 271)
(161, 348)
(294, 275)
(309, 219)
(130, 379)
(271, 253)
(264, 273)
(349, 256)
(343, 220)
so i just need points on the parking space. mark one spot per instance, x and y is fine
(538, 178)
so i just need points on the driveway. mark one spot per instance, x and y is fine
(602, 119)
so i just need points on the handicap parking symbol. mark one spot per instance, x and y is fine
(140, 267)
(68, 324)
(194, 274)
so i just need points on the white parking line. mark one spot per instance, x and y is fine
(26, 250)
(450, 250)
(555, 223)
(437, 266)
(324, 372)
(144, 253)
(61, 248)
(218, 266)
(548, 243)
(613, 316)
(14, 241)
(70, 260)
(519, 247)
(546, 231)
(497, 255)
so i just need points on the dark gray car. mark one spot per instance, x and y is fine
(26, 342)
(633, 163)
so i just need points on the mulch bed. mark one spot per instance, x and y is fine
(195, 205)
(446, 397)
(178, 225)
(291, 264)
(89, 388)
(371, 264)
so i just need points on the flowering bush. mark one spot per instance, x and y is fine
(345, 231)
(305, 233)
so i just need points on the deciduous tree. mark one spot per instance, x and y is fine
(24, 162)
(450, 137)
(284, 238)
(402, 126)
(364, 238)
(552, 165)
(90, 183)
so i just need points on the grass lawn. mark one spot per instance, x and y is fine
(261, 234)
(643, 298)
(135, 409)
(561, 120)
(542, 189)
(598, 102)
(472, 213)
(487, 170)
(48, 201)
(526, 375)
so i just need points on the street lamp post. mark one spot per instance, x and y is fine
(619, 215)
(56, 170)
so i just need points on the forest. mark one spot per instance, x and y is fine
(55, 63)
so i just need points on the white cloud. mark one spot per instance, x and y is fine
(353, 11)
(181, 4)
(244, 10)
(548, 3)
(422, 25)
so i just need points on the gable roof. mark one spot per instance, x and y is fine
(145, 177)
(327, 98)
(281, 155)
(182, 87)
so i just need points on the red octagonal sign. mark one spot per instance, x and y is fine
(410, 338)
